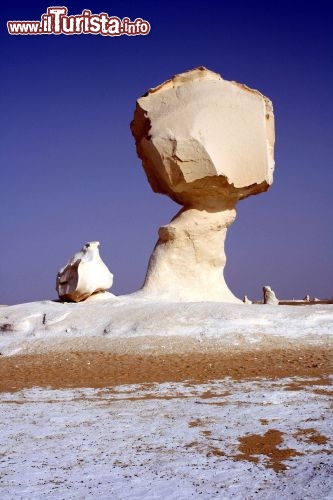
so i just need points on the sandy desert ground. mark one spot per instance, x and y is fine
(174, 402)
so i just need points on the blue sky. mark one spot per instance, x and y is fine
(69, 169)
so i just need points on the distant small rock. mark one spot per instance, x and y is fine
(84, 274)
(269, 296)
(246, 300)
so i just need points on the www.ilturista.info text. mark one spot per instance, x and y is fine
(56, 22)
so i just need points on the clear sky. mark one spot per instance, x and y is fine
(69, 169)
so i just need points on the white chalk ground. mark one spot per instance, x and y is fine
(163, 442)
(167, 441)
(43, 326)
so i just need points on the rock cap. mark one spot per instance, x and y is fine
(204, 140)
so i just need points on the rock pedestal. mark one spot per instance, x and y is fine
(188, 259)
(206, 143)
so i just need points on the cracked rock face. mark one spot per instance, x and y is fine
(204, 140)
(206, 143)
(84, 274)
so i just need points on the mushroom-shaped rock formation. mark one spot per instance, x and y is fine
(84, 274)
(207, 143)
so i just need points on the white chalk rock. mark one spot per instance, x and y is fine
(188, 260)
(246, 300)
(202, 138)
(207, 143)
(269, 296)
(84, 274)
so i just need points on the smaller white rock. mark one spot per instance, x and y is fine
(84, 274)
(246, 300)
(269, 296)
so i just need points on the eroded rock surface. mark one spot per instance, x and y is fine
(206, 143)
(203, 139)
(188, 259)
(84, 274)
(269, 296)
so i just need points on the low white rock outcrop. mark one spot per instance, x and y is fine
(84, 274)
(269, 296)
(246, 300)
(206, 143)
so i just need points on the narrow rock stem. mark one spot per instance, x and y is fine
(188, 260)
